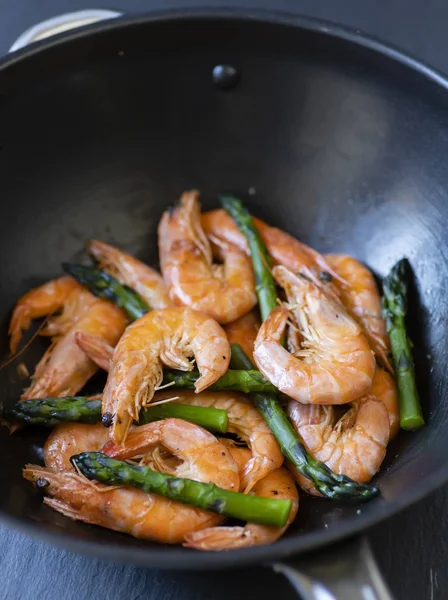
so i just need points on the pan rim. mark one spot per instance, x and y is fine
(180, 558)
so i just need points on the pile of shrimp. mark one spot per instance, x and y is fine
(336, 353)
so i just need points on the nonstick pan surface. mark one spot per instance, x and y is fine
(327, 134)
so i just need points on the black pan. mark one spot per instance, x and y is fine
(328, 134)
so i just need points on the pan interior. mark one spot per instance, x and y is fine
(343, 147)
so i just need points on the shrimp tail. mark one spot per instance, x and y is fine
(218, 538)
(96, 348)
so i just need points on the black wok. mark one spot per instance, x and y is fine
(330, 135)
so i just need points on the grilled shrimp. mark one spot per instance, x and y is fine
(65, 368)
(277, 484)
(353, 445)
(132, 511)
(246, 422)
(361, 298)
(131, 272)
(68, 439)
(243, 331)
(162, 337)
(283, 248)
(335, 364)
(224, 292)
(203, 457)
(40, 302)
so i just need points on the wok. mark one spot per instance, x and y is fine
(326, 133)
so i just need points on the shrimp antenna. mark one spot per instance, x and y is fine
(27, 345)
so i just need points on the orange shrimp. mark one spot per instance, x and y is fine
(246, 422)
(40, 302)
(224, 292)
(361, 298)
(68, 439)
(199, 451)
(65, 368)
(355, 444)
(131, 511)
(244, 331)
(131, 272)
(162, 337)
(335, 364)
(125, 509)
(282, 247)
(277, 484)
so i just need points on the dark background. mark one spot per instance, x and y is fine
(411, 549)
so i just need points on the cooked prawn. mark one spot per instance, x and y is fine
(353, 445)
(243, 331)
(65, 368)
(361, 298)
(162, 337)
(132, 272)
(277, 484)
(68, 439)
(246, 422)
(146, 516)
(224, 292)
(40, 302)
(203, 457)
(282, 247)
(335, 364)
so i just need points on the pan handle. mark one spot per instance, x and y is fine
(345, 572)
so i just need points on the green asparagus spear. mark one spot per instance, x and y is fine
(52, 411)
(265, 285)
(337, 487)
(105, 286)
(237, 380)
(238, 358)
(214, 419)
(395, 291)
(267, 511)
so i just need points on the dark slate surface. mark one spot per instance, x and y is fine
(411, 548)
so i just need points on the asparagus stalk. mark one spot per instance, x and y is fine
(238, 380)
(49, 412)
(214, 419)
(338, 487)
(52, 411)
(207, 496)
(329, 484)
(105, 286)
(265, 285)
(395, 290)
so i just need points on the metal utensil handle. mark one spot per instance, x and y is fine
(345, 572)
